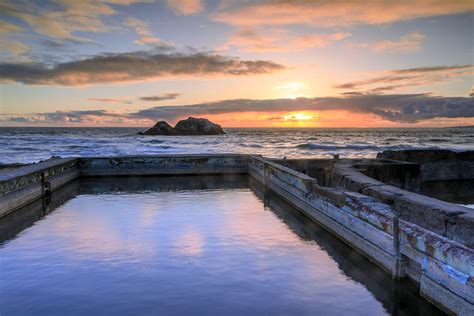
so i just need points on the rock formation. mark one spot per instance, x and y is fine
(189, 126)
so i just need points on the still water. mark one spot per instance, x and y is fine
(193, 246)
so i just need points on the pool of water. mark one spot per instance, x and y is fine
(186, 245)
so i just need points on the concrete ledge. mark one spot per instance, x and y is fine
(323, 206)
(437, 164)
(28, 183)
(163, 165)
(28, 174)
(399, 230)
(444, 298)
(433, 214)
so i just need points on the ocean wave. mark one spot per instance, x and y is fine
(155, 141)
(252, 145)
(438, 140)
(31, 145)
(352, 146)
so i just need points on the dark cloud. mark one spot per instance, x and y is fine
(403, 108)
(63, 117)
(167, 96)
(110, 100)
(432, 69)
(395, 79)
(408, 108)
(377, 80)
(134, 66)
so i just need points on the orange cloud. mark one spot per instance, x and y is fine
(71, 16)
(408, 43)
(185, 7)
(10, 47)
(251, 39)
(133, 66)
(110, 100)
(335, 13)
(422, 76)
(397, 108)
(146, 36)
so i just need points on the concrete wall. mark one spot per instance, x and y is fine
(435, 215)
(404, 175)
(163, 165)
(443, 267)
(28, 183)
(436, 165)
(315, 168)
(25, 184)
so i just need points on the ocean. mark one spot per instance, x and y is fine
(32, 144)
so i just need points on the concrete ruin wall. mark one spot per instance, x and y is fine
(443, 267)
(446, 219)
(405, 233)
(436, 165)
(163, 165)
(28, 183)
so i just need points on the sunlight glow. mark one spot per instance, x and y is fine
(290, 85)
(299, 116)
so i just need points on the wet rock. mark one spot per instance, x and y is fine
(198, 126)
(189, 126)
(160, 128)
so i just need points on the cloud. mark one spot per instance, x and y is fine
(11, 49)
(407, 43)
(263, 40)
(432, 69)
(65, 117)
(394, 107)
(185, 7)
(394, 79)
(403, 108)
(146, 36)
(110, 100)
(318, 40)
(292, 117)
(336, 13)
(8, 28)
(134, 66)
(61, 19)
(166, 96)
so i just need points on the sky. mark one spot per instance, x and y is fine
(269, 63)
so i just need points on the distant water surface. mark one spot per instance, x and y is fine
(33, 144)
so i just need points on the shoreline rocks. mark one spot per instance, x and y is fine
(188, 127)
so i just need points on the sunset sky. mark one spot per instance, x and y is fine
(239, 63)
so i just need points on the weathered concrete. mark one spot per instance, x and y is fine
(163, 165)
(405, 233)
(433, 214)
(26, 184)
(23, 185)
(436, 164)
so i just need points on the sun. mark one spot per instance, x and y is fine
(298, 116)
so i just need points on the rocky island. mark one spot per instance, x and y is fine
(189, 126)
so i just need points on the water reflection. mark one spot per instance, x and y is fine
(193, 245)
(398, 297)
